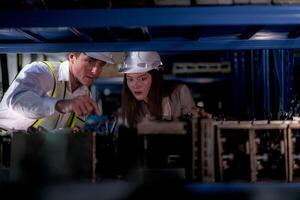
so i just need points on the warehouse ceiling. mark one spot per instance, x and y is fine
(89, 25)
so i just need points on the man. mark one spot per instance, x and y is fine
(53, 95)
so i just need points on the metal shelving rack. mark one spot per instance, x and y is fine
(158, 28)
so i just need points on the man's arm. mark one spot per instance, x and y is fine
(30, 93)
(81, 105)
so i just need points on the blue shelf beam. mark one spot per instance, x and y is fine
(146, 33)
(294, 33)
(32, 36)
(80, 34)
(160, 28)
(195, 33)
(228, 44)
(249, 32)
(168, 16)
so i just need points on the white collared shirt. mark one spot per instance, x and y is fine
(29, 96)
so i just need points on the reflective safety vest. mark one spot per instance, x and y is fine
(59, 90)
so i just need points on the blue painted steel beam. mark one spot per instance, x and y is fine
(151, 45)
(146, 33)
(82, 35)
(171, 16)
(32, 36)
(249, 32)
(294, 33)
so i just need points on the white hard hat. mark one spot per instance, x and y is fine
(140, 62)
(104, 56)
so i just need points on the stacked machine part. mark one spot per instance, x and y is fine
(250, 151)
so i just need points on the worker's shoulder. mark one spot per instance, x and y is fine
(181, 87)
(38, 68)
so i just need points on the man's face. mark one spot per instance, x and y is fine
(84, 68)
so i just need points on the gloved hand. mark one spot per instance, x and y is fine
(81, 105)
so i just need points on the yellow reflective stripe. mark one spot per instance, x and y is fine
(54, 92)
(71, 120)
(2, 132)
(37, 123)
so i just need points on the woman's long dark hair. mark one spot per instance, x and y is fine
(132, 108)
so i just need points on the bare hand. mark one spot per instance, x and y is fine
(81, 105)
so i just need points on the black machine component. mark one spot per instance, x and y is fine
(116, 153)
(234, 155)
(45, 157)
(5, 144)
(253, 151)
(296, 155)
(156, 150)
(294, 152)
(165, 149)
(271, 155)
(52, 157)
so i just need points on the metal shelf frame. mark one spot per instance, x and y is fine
(255, 16)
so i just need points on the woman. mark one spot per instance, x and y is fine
(145, 93)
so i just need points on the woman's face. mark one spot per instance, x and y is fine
(139, 85)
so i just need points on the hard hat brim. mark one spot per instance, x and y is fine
(99, 56)
(125, 70)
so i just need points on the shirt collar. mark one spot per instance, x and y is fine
(64, 71)
(64, 75)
